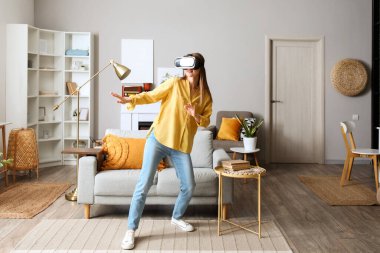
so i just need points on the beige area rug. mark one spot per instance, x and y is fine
(105, 235)
(25, 200)
(328, 189)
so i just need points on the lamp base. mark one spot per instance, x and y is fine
(72, 196)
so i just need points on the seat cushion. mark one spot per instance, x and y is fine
(119, 183)
(206, 181)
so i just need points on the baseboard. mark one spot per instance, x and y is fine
(357, 161)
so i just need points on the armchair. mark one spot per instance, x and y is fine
(226, 144)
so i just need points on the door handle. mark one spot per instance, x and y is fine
(275, 101)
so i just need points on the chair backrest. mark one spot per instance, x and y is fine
(231, 114)
(346, 128)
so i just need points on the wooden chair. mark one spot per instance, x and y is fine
(346, 128)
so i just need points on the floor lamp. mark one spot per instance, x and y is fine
(122, 72)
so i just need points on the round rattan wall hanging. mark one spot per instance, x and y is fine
(349, 77)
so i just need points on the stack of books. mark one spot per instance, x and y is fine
(130, 90)
(236, 165)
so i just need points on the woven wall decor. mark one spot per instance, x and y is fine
(349, 77)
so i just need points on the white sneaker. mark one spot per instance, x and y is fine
(128, 240)
(182, 225)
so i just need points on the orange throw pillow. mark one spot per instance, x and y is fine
(124, 153)
(229, 129)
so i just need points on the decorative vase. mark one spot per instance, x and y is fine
(250, 143)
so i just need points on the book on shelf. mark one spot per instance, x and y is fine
(236, 164)
(71, 88)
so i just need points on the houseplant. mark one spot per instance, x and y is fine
(4, 162)
(250, 138)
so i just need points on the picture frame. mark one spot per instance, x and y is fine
(83, 114)
(41, 113)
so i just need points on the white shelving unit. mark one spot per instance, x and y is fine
(37, 70)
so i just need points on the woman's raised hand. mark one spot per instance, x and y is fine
(121, 99)
(190, 109)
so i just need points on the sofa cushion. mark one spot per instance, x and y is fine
(229, 129)
(206, 181)
(201, 154)
(119, 183)
(122, 153)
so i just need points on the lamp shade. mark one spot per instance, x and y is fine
(121, 71)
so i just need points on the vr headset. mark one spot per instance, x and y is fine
(187, 62)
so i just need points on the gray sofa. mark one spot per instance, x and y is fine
(116, 187)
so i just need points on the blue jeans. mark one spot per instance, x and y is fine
(154, 152)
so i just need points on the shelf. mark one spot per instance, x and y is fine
(50, 55)
(76, 71)
(42, 54)
(49, 122)
(75, 138)
(50, 70)
(77, 56)
(75, 96)
(49, 96)
(80, 121)
(48, 140)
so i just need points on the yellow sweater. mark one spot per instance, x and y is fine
(173, 127)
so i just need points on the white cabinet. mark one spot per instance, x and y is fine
(37, 69)
(140, 118)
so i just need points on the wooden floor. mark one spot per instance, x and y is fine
(308, 224)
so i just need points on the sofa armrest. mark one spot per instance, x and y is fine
(220, 155)
(213, 130)
(86, 179)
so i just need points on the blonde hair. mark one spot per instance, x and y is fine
(203, 85)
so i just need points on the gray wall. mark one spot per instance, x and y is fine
(230, 34)
(11, 11)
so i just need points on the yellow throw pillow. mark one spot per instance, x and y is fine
(229, 129)
(124, 153)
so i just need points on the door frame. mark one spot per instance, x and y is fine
(320, 106)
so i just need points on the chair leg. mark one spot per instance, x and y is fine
(87, 211)
(350, 163)
(376, 172)
(14, 176)
(344, 172)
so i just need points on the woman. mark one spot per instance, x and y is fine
(186, 103)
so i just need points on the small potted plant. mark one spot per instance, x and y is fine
(249, 138)
(4, 162)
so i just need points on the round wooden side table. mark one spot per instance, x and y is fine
(243, 151)
(254, 172)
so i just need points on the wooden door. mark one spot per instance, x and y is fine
(295, 102)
